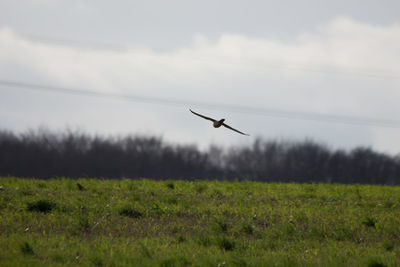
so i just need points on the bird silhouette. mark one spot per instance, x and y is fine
(217, 123)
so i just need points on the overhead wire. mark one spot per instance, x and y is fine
(238, 61)
(289, 114)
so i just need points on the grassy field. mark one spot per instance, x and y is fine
(92, 222)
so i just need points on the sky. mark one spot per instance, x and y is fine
(281, 70)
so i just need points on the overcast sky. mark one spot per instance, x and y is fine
(339, 58)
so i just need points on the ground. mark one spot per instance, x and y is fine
(93, 222)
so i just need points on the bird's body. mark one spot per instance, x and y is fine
(217, 123)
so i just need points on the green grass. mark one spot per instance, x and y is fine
(91, 222)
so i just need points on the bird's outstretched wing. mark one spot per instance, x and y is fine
(204, 117)
(229, 127)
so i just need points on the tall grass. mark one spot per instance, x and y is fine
(93, 222)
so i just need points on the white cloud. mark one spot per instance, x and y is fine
(345, 67)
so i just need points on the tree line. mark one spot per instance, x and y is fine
(43, 154)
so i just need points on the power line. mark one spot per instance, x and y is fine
(86, 44)
(312, 116)
(287, 66)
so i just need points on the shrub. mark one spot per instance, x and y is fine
(226, 244)
(80, 187)
(170, 185)
(27, 249)
(181, 239)
(84, 222)
(369, 221)
(376, 263)
(41, 206)
(130, 212)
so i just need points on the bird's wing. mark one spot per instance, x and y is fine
(204, 117)
(229, 127)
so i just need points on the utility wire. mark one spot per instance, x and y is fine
(290, 114)
(287, 66)
(85, 44)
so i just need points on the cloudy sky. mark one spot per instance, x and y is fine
(325, 70)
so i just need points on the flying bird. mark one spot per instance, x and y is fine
(219, 123)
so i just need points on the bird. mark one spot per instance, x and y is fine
(217, 123)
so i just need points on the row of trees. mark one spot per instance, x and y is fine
(42, 154)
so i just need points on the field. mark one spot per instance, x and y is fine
(91, 222)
